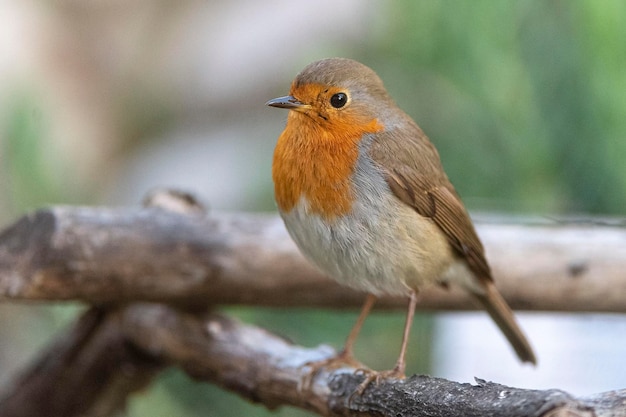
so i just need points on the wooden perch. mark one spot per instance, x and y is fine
(111, 353)
(267, 369)
(106, 255)
(141, 267)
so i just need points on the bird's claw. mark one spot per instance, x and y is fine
(374, 376)
(343, 359)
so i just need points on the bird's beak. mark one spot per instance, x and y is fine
(287, 102)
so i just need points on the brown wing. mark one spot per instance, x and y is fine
(416, 177)
(414, 173)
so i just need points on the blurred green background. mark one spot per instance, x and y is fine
(101, 101)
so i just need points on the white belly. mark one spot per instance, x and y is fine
(382, 247)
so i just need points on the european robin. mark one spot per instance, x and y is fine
(363, 193)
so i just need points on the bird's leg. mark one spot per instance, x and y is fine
(398, 370)
(348, 349)
(401, 363)
(346, 355)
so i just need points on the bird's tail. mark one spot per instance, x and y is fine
(501, 313)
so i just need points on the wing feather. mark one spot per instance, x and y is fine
(416, 177)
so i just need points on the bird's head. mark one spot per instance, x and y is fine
(338, 95)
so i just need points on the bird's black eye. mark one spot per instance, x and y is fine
(338, 100)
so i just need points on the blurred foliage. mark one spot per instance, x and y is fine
(29, 183)
(525, 101)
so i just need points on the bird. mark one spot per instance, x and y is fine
(363, 193)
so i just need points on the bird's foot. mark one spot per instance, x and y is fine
(377, 377)
(342, 359)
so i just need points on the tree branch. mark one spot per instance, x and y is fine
(267, 369)
(109, 257)
(111, 353)
(102, 255)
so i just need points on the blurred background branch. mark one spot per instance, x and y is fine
(102, 255)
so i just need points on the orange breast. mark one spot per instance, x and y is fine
(317, 162)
